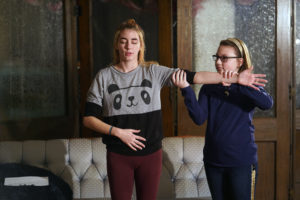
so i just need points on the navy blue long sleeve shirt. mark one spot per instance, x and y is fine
(229, 139)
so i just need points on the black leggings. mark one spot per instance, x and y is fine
(123, 171)
(232, 183)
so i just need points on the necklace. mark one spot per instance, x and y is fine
(226, 92)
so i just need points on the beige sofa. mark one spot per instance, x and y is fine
(82, 164)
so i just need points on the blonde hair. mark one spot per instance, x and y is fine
(129, 24)
(241, 50)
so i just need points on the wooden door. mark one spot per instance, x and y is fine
(38, 74)
(272, 131)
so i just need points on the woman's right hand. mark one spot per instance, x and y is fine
(179, 79)
(226, 74)
(129, 138)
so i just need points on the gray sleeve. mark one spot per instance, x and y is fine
(163, 74)
(96, 91)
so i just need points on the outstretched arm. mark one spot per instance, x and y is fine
(246, 78)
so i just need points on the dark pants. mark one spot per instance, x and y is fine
(231, 183)
(123, 171)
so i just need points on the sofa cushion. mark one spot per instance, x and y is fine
(81, 162)
(183, 165)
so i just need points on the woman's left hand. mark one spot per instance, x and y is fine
(252, 80)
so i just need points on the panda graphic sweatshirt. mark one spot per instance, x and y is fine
(130, 101)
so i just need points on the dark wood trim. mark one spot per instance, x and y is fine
(166, 58)
(295, 191)
(71, 54)
(297, 166)
(283, 106)
(265, 186)
(85, 57)
(265, 129)
(184, 34)
(184, 60)
(266, 171)
(297, 119)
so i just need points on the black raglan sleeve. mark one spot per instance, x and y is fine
(190, 76)
(92, 109)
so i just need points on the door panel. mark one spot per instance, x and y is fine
(265, 188)
(272, 30)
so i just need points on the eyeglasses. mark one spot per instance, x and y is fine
(223, 58)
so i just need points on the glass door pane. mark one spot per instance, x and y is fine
(32, 59)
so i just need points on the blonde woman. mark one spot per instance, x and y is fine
(230, 152)
(124, 106)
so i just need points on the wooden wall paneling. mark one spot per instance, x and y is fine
(184, 60)
(297, 192)
(265, 188)
(85, 57)
(71, 54)
(297, 119)
(297, 166)
(296, 113)
(265, 129)
(184, 33)
(283, 106)
(168, 100)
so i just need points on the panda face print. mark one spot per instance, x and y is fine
(132, 96)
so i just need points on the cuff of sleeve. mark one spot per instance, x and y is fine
(186, 90)
(190, 76)
(92, 109)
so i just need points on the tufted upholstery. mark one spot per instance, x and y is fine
(82, 164)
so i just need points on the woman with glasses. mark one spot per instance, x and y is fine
(123, 104)
(230, 152)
